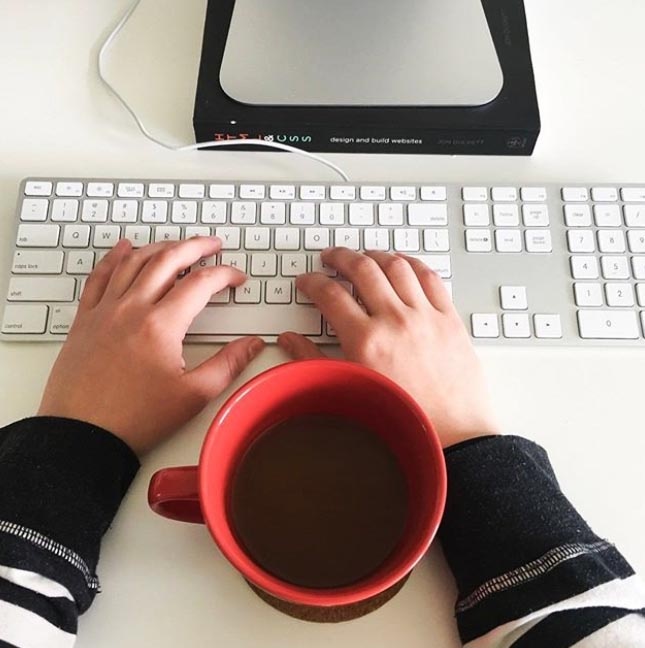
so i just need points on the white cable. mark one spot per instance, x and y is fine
(190, 147)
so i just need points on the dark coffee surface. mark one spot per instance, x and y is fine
(319, 501)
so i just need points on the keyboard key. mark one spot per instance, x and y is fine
(106, 236)
(604, 194)
(257, 238)
(504, 194)
(376, 238)
(37, 262)
(69, 189)
(318, 266)
(436, 240)
(403, 193)
(233, 259)
(638, 267)
(94, 211)
(407, 240)
(391, 214)
(282, 192)
(62, 319)
(476, 215)
(316, 238)
(619, 294)
(80, 262)
(434, 194)
(222, 297)
(312, 192)
(607, 215)
(347, 237)
(474, 194)
(192, 232)
(538, 241)
(34, 209)
(612, 241)
(278, 291)
(287, 238)
(577, 215)
(76, 236)
(273, 213)
(614, 267)
(24, 319)
(38, 188)
(154, 211)
(302, 214)
(264, 265)
(138, 235)
(534, 194)
(125, 211)
(484, 325)
(516, 325)
(332, 214)
(214, 212)
(635, 215)
(508, 240)
(373, 193)
(221, 191)
(293, 265)
(53, 289)
(184, 212)
(584, 267)
(342, 192)
(167, 233)
(608, 325)
(361, 214)
(252, 192)
(636, 240)
(230, 236)
(130, 190)
(575, 194)
(272, 321)
(588, 294)
(535, 215)
(38, 235)
(640, 293)
(64, 211)
(506, 215)
(243, 213)
(161, 190)
(440, 263)
(547, 326)
(633, 194)
(581, 241)
(513, 298)
(478, 240)
(249, 293)
(192, 191)
(424, 215)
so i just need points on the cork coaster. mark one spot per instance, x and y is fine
(333, 614)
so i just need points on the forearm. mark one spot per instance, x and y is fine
(528, 567)
(61, 483)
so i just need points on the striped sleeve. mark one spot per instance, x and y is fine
(529, 570)
(61, 482)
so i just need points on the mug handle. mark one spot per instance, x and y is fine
(174, 493)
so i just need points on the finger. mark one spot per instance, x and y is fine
(159, 274)
(299, 347)
(214, 375)
(370, 282)
(432, 284)
(402, 277)
(190, 295)
(338, 307)
(130, 267)
(98, 281)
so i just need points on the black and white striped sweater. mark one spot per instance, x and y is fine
(529, 570)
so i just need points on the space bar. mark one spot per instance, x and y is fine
(261, 320)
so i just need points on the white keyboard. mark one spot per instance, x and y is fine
(536, 265)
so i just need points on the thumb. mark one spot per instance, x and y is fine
(214, 375)
(299, 347)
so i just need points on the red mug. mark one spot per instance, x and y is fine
(201, 493)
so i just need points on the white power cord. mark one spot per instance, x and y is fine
(190, 147)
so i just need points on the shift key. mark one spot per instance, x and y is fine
(46, 289)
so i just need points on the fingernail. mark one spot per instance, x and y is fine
(255, 347)
(285, 343)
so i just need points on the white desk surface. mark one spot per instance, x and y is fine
(164, 584)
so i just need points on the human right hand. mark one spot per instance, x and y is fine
(409, 331)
